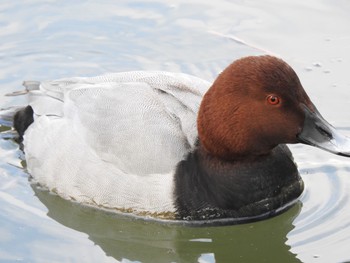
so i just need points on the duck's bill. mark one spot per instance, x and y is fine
(319, 133)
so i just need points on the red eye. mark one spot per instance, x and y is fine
(273, 99)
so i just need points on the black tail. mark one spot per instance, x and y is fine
(22, 119)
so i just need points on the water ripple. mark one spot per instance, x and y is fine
(48, 39)
(324, 220)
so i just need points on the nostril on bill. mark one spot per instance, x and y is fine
(324, 132)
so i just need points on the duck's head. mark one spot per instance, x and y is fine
(257, 103)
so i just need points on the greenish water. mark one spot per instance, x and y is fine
(123, 237)
(48, 39)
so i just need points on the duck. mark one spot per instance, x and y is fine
(174, 147)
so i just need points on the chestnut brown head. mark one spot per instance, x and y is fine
(255, 104)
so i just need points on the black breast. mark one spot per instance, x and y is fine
(207, 188)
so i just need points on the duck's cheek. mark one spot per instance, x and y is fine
(287, 130)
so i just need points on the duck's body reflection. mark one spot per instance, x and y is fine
(123, 237)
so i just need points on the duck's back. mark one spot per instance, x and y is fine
(126, 124)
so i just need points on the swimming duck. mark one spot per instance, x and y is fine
(173, 146)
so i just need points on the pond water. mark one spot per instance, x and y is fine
(49, 39)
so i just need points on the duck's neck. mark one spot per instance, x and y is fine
(210, 188)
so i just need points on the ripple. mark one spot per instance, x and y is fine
(324, 219)
(47, 39)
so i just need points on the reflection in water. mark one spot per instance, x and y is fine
(122, 236)
(324, 221)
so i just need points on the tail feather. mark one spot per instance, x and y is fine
(19, 117)
(22, 119)
(31, 85)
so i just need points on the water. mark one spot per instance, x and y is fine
(52, 39)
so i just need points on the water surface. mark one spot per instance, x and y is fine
(53, 39)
